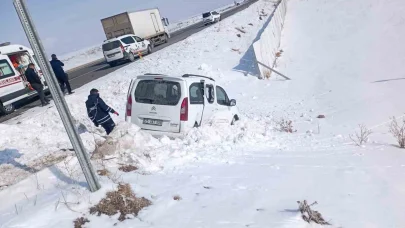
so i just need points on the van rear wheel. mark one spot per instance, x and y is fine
(8, 109)
(131, 57)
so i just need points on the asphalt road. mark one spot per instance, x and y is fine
(89, 72)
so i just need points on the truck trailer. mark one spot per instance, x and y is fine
(147, 24)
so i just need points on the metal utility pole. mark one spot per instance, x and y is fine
(60, 103)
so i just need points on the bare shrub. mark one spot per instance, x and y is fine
(79, 222)
(103, 172)
(127, 168)
(309, 215)
(177, 197)
(398, 131)
(361, 137)
(121, 201)
(284, 125)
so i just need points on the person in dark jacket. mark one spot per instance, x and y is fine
(57, 67)
(99, 112)
(35, 81)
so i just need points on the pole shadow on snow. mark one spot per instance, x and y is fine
(9, 156)
(66, 179)
(247, 64)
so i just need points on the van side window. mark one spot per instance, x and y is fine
(137, 39)
(222, 97)
(196, 96)
(209, 93)
(128, 40)
(5, 69)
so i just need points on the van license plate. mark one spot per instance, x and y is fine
(153, 122)
(111, 55)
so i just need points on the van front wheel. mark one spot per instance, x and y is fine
(7, 109)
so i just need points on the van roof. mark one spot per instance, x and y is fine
(12, 48)
(117, 38)
(174, 78)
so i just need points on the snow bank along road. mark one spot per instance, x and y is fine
(248, 175)
(88, 73)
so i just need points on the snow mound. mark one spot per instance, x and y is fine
(131, 145)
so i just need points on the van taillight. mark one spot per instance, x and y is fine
(184, 110)
(122, 48)
(129, 106)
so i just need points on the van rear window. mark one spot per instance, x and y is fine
(205, 15)
(111, 45)
(158, 92)
(5, 69)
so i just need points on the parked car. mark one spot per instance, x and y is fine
(211, 17)
(167, 105)
(123, 48)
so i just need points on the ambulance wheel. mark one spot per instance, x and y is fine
(8, 109)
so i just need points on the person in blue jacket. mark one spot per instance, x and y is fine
(99, 112)
(57, 67)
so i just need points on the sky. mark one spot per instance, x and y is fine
(69, 25)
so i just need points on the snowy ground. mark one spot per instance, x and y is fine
(345, 60)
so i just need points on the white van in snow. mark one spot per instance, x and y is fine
(165, 105)
(211, 17)
(14, 60)
(125, 47)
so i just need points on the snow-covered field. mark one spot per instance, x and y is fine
(345, 60)
(82, 57)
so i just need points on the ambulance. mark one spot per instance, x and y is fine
(14, 60)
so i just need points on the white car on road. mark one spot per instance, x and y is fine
(211, 17)
(166, 105)
(126, 47)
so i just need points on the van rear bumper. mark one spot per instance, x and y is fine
(160, 134)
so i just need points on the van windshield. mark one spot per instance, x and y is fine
(158, 92)
(111, 45)
(205, 15)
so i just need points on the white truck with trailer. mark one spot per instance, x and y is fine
(14, 60)
(147, 24)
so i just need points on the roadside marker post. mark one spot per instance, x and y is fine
(60, 103)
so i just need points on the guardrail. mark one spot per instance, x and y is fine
(267, 47)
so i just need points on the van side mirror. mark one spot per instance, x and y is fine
(232, 102)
